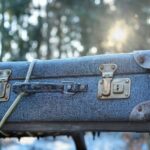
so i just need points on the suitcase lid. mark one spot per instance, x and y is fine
(137, 62)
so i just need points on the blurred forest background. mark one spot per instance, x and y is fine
(47, 29)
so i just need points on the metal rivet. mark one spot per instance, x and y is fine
(126, 94)
(68, 87)
(139, 108)
(8, 72)
(82, 87)
(113, 67)
(141, 59)
(100, 95)
(127, 81)
(101, 82)
(101, 67)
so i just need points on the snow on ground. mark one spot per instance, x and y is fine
(106, 141)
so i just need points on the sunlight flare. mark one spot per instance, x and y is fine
(118, 33)
(117, 36)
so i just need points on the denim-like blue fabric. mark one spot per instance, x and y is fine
(82, 106)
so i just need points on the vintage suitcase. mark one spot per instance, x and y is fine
(107, 92)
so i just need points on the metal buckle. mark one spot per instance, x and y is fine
(4, 85)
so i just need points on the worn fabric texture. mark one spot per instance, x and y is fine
(82, 106)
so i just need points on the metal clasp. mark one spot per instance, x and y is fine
(110, 87)
(107, 74)
(4, 85)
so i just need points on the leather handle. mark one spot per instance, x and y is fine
(40, 87)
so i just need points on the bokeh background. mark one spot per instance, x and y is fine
(48, 29)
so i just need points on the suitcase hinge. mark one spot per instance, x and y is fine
(108, 87)
(4, 85)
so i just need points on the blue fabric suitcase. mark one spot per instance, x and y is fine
(107, 92)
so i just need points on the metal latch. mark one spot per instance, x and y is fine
(4, 85)
(110, 87)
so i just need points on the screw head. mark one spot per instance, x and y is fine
(101, 82)
(82, 87)
(8, 72)
(101, 67)
(141, 59)
(127, 81)
(68, 87)
(113, 67)
(100, 95)
(139, 109)
(126, 94)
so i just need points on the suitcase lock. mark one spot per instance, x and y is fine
(4, 85)
(110, 87)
